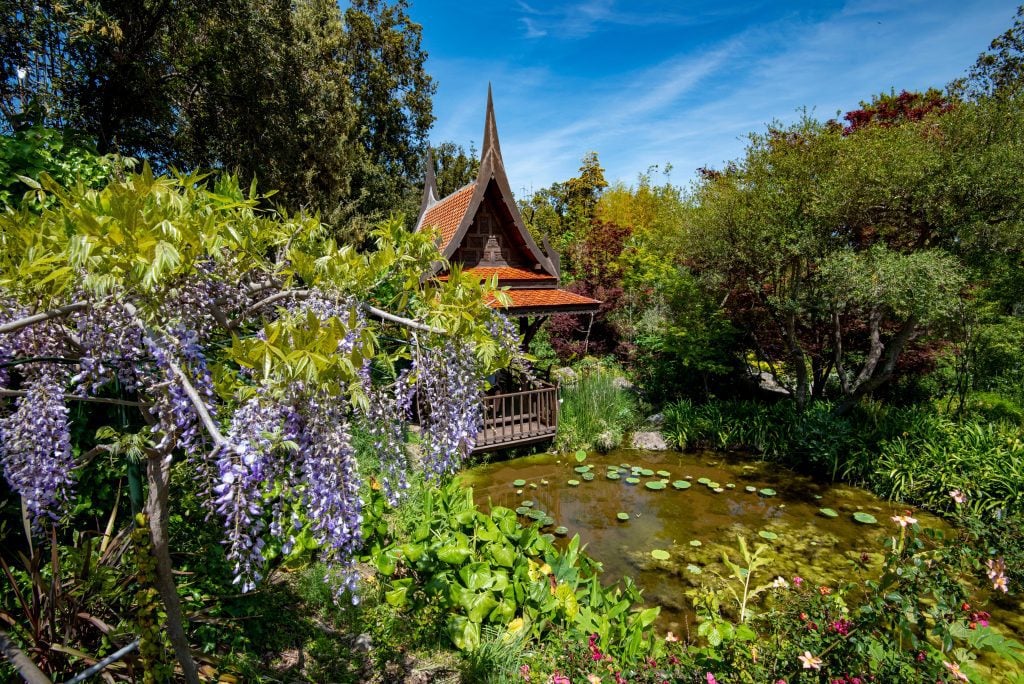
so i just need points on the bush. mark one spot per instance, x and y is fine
(596, 411)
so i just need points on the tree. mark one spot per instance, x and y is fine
(248, 343)
(453, 167)
(1000, 71)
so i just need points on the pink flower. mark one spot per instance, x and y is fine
(711, 679)
(797, 581)
(671, 638)
(524, 670)
(558, 678)
(810, 662)
(904, 520)
(958, 496)
(954, 669)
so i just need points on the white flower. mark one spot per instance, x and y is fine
(903, 520)
(780, 583)
(22, 73)
(810, 662)
(958, 496)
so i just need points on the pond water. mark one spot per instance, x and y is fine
(708, 500)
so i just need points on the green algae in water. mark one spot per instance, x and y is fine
(660, 554)
(681, 484)
(632, 480)
(828, 512)
(767, 491)
(561, 530)
(765, 534)
(865, 518)
(664, 473)
(622, 515)
(655, 485)
(587, 476)
(612, 476)
(518, 483)
(573, 483)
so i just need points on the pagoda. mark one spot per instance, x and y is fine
(483, 232)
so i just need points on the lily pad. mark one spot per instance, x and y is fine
(703, 480)
(655, 485)
(693, 569)
(750, 488)
(561, 530)
(623, 516)
(522, 510)
(865, 518)
(664, 473)
(647, 472)
(730, 486)
(581, 456)
(612, 476)
(717, 490)
(632, 480)
(544, 482)
(765, 534)
(518, 483)
(534, 514)
(624, 465)
(660, 554)
(695, 543)
(829, 512)
(573, 483)
(582, 469)
(587, 476)
(767, 491)
(712, 485)
(547, 521)
(681, 484)
(527, 504)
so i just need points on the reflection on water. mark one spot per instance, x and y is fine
(821, 549)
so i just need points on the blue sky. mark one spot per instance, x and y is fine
(644, 82)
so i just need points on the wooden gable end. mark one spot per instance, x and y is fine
(492, 239)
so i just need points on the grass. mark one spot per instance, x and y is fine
(596, 411)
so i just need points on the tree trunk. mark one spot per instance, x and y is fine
(157, 510)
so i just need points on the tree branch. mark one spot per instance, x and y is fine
(368, 308)
(19, 323)
(76, 397)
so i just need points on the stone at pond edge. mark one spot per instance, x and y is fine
(649, 441)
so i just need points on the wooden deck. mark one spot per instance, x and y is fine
(518, 418)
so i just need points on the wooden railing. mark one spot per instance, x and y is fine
(518, 418)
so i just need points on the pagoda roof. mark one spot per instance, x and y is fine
(533, 284)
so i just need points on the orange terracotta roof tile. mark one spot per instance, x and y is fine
(448, 213)
(547, 298)
(504, 273)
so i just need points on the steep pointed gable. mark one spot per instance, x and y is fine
(481, 228)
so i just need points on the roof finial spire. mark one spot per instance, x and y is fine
(490, 131)
(430, 191)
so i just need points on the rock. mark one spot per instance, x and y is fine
(622, 383)
(649, 441)
(657, 420)
(363, 643)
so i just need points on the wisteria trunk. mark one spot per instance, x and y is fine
(158, 476)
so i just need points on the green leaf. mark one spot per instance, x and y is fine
(454, 554)
(464, 633)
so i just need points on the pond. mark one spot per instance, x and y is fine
(692, 506)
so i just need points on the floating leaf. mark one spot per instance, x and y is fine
(750, 488)
(519, 492)
(581, 456)
(622, 516)
(573, 483)
(866, 518)
(695, 543)
(693, 569)
(561, 530)
(712, 485)
(544, 482)
(703, 480)
(681, 484)
(582, 469)
(817, 497)
(664, 473)
(624, 465)
(765, 534)
(767, 492)
(632, 480)
(587, 476)
(546, 521)
(647, 472)
(655, 485)
(660, 554)
(522, 510)
(534, 514)
(717, 490)
(518, 483)
(828, 512)
(612, 476)
(527, 504)
(730, 486)
(533, 485)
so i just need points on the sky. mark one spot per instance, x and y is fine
(646, 83)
